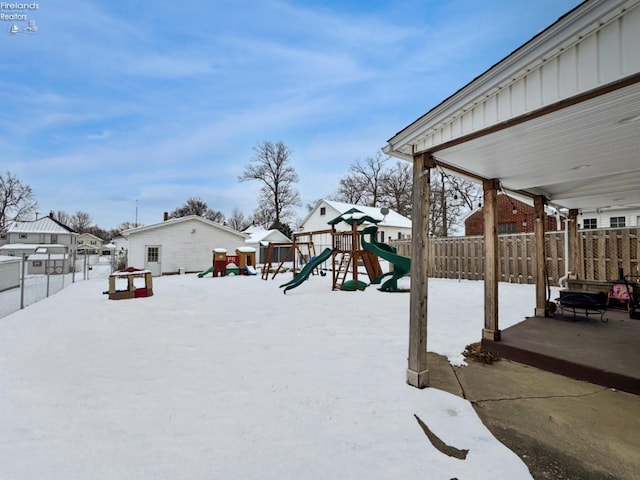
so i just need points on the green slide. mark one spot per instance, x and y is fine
(308, 268)
(208, 270)
(401, 265)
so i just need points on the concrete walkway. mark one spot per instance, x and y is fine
(562, 428)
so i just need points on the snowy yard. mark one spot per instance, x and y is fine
(227, 378)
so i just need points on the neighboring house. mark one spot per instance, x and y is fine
(259, 238)
(609, 217)
(48, 244)
(89, 244)
(514, 216)
(392, 226)
(9, 272)
(179, 243)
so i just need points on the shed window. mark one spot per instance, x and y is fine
(323, 210)
(3, 236)
(617, 222)
(23, 236)
(588, 223)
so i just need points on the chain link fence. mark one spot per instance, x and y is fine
(20, 286)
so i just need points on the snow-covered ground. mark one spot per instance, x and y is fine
(227, 378)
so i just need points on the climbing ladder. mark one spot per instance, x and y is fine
(341, 262)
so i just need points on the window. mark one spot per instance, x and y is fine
(54, 238)
(3, 236)
(93, 242)
(23, 236)
(588, 223)
(399, 235)
(323, 210)
(152, 254)
(507, 227)
(80, 242)
(37, 263)
(616, 222)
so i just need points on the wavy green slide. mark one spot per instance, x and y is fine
(308, 268)
(401, 265)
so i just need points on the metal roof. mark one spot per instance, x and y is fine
(42, 225)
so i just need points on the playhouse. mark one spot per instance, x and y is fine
(130, 283)
(242, 263)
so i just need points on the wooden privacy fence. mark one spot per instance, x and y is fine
(601, 255)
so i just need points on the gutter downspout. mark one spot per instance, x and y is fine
(562, 280)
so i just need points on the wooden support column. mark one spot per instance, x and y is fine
(417, 373)
(491, 274)
(573, 242)
(541, 257)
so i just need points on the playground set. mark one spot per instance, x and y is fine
(242, 263)
(349, 250)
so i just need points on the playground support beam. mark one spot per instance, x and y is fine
(417, 373)
(491, 330)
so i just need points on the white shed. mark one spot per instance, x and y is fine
(179, 243)
(9, 272)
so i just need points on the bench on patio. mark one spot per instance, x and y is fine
(594, 302)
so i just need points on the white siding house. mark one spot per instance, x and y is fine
(43, 236)
(613, 217)
(179, 243)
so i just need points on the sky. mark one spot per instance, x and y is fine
(194, 383)
(125, 109)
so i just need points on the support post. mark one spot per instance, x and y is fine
(491, 330)
(573, 243)
(541, 257)
(417, 373)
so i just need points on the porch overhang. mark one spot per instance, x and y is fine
(557, 121)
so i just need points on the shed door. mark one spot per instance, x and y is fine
(152, 260)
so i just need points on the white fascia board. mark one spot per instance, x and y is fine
(567, 30)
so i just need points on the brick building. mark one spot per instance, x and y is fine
(514, 216)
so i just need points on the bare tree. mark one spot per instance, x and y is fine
(451, 196)
(63, 217)
(237, 220)
(271, 166)
(263, 218)
(116, 232)
(16, 201)
(197, 206)
(373, 183)
(397, 188)
(363, 184)
(80, 221)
